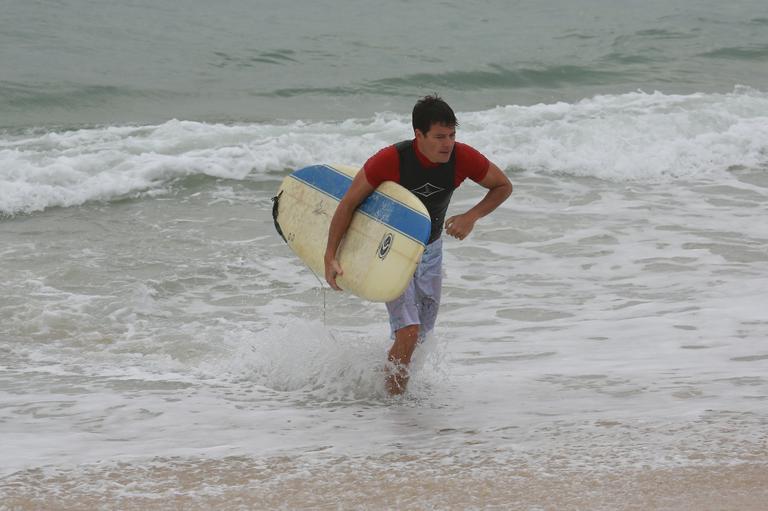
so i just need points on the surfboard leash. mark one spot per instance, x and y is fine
(323, 289)
(275, 213)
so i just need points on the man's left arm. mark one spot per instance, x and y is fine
(499, 188)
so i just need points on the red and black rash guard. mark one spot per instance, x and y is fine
(432, 183)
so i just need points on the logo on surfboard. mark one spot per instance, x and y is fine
(385, 245)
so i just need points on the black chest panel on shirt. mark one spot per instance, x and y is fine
(434, 185)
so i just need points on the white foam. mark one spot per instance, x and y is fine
(243, 389)
(634, 136)
(625, 137)
(306, 358)
(580, 312)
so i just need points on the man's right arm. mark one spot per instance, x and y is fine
(358, 191)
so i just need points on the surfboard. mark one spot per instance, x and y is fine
(383, 244)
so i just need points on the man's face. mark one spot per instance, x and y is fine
(438, 142)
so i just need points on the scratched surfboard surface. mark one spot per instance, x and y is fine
(385, 239)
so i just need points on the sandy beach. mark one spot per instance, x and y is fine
(396, 482)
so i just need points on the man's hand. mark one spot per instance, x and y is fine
(358, 191)
(460, 226)
(333, 270)
(499, 188)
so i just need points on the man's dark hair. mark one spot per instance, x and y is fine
(431, 110)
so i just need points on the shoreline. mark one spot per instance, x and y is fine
(388, 482)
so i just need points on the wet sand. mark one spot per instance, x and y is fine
(394, 482)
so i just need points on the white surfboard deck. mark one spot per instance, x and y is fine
(383, 244)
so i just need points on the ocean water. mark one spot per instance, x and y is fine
(603, 339)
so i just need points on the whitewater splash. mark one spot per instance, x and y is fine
(626, 137)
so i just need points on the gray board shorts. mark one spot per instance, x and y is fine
(419, 303)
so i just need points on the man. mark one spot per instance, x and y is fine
(431, 166)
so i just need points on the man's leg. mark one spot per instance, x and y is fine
(413, 314)
(400, 354)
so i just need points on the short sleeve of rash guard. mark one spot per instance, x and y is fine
(382, 166)
(470, 163)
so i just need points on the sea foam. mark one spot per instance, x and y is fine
(626, 137)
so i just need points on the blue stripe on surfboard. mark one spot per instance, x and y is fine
(377, 206)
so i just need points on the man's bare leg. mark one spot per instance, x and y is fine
(400, 357)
